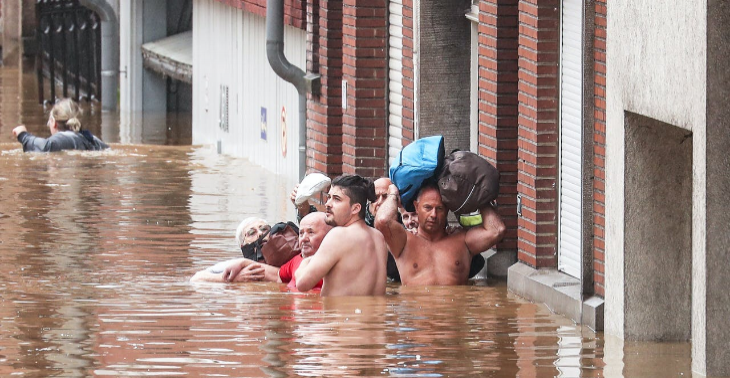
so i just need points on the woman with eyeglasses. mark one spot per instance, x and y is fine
(248, 232)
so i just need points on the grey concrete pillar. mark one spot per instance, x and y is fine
(11, 27)
(658, 230)
(154, 27)
(142, 90)
(109, 16)
(712, 356)
(109, 64)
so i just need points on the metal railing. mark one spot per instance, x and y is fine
(69, 50)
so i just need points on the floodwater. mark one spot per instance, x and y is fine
(96, 249)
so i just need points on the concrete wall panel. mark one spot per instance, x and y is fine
(444, 78)
(658, 239)
(656, 68)
(712, 357)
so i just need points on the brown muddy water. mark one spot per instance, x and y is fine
(96, 250)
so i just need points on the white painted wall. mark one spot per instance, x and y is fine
(229, 48)
(656, 54)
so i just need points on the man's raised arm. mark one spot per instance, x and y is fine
(479, 239)
(386, 222)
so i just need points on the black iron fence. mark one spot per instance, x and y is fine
(69, 51)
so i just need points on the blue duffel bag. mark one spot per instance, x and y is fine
(416, 163)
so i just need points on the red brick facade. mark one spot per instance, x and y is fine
(324, 110)
(409, 85)
(498, 88)
(538, 131)
(364, 69)
(294, 10)
(599, 148)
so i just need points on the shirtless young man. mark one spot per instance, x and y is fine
(352, 257)
(431, 256)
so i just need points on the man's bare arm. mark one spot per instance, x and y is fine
(479, 239)
(386, 222)
(314, 268)
(271, 273)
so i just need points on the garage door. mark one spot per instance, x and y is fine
(395, 75)
(571, 116)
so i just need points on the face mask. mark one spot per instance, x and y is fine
(252, 251)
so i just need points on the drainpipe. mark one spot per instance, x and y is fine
(288, 72)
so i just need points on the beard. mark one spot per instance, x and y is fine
(329, 219)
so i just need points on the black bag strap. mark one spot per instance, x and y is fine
(275, 229)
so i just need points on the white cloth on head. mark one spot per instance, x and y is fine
(312, 184)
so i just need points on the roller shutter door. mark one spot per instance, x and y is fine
(571, 116)
(395, 75)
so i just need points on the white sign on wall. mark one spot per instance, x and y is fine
(344, 94)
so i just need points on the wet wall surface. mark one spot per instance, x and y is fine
(96, 249)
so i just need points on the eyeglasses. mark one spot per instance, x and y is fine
(253, 230)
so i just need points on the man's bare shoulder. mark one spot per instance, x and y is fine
(374, 233)
(335, 236)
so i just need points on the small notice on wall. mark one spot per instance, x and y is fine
(283, 131)
(263, 123)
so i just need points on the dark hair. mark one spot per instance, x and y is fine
(359, 189)
(428, 184)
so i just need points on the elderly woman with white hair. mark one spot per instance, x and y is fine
(249, 231)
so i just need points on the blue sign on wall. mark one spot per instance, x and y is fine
(263, 123)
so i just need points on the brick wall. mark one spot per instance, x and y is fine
(498, 88)
(324, 111)
(294, 10)
(364, 68)
(599, 148)
(538, 131)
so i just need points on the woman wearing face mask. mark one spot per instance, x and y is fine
(66, 132)
(248, 232)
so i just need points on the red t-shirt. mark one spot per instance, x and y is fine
(286, 273)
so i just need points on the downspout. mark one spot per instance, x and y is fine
(287, 71)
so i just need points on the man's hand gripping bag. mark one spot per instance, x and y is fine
(467, 182)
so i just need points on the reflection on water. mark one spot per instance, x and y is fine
(96, 249)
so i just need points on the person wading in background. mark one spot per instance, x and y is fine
(66, 132)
